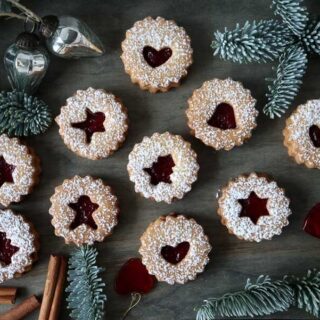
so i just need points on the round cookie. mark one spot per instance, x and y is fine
(93, 123)
(19, 170)
(19, 245)
(302, 134)
(253, 207)
(174, 249)
(156, 54)
(222, 114)
(84, 210)
(163, 167)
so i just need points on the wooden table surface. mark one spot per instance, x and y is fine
(232, 261)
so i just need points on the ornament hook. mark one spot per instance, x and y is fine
(135, 299)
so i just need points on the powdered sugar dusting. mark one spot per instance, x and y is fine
(244, 228)
(157, 33)
(102, 143)
(172, 230)
(297, 137)
(19, 232)
(203, 103)
(105, 217)
(25, 173)
(184, 172)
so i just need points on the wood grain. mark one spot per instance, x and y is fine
(232, 260)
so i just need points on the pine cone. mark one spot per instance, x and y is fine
(311, 36)
(23, 115)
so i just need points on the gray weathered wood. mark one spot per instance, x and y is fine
(232, 260)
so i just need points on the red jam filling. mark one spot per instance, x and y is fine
(156, 58)
(6, 171)
(7, 250)
(176, 254)
(93, 123)
(223, 117)
(314, 133)
(253, 207)
(312, 221)
(133, 277)
(84, 208)
(161, 170)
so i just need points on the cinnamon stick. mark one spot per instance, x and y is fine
(8, 295)
(21, 310)
(50, 286)
(55, 307)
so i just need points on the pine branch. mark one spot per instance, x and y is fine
(263, 297)
(292, 13)
(86, 298)
(284, 88)
(23, 115)
(311, 36)
(254, 42)
(306, 291)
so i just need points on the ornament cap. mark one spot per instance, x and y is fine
(27, 40)
(48, 25)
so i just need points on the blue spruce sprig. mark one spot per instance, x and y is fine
(23, 115)
(268, 40)
(265, 297)
(260, 298)
(289, 73)
(254, 42)
(292, 13)
(311, 37)
(306, 291)
(86, 298)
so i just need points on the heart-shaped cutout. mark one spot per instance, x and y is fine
(223, 117)
(176, 254)
(312, 221)
(156, 58)
(133, 277)
(314, 133)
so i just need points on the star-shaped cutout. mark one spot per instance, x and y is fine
(253, 207)
(93, 123)
(7, 250)
(161, 170)
(6, 171)
(84, 208)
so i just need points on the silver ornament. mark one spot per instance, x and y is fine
(68, 37)
(26, 63)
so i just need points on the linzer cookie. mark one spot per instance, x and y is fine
(19, 170)
(302, 134)
(93, 123)
(19, 245)
(222, 114)
(253, 207)
(174, 249)
(163, 167)
(156, 54)
(84, 210)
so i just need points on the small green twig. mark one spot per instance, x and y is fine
(12, 15)
(27, 12)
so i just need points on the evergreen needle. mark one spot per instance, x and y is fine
(86, 298)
